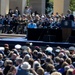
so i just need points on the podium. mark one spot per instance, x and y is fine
(49, 38)
(66, 29)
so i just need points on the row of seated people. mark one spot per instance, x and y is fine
(20, 23)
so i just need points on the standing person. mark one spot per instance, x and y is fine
(27, 10)
(5, 22)
(15, 23)
(40, 71)
(17, 12)
(12, 70)
(7, 65)
(18, 61)
(11, 12)
(24, 69)
(69, 15)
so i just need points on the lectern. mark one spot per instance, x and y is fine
(66, 29)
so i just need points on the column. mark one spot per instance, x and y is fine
(38, 6)
(4, 7)
(18, 3)
(61, 6)
(0, 6)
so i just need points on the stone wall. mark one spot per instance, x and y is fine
(4, 7)
(38, 6)
(18, 3)
(61, 6)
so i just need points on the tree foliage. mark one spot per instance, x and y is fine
(49, 6)
(72, 5)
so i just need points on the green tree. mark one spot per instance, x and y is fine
(72, 5)
(49, 6)
(28, 2)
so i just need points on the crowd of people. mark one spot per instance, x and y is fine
(14, 22)
(36, 60)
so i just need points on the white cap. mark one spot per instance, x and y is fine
(71, 48)
(57, 50)
(2, 48)
(17, 46)
(49, 49)
(27, 55)
(42, 16)
(25, 66)
(31, 44)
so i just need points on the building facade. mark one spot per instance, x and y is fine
(60, 6)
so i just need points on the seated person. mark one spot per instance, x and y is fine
(31, 24)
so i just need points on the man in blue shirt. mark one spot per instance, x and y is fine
(32, 24)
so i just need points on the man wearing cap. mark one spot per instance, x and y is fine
(49, 51)
(24, 69)
(71, 49)
(18, 47)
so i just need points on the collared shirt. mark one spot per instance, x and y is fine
(32, 25)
